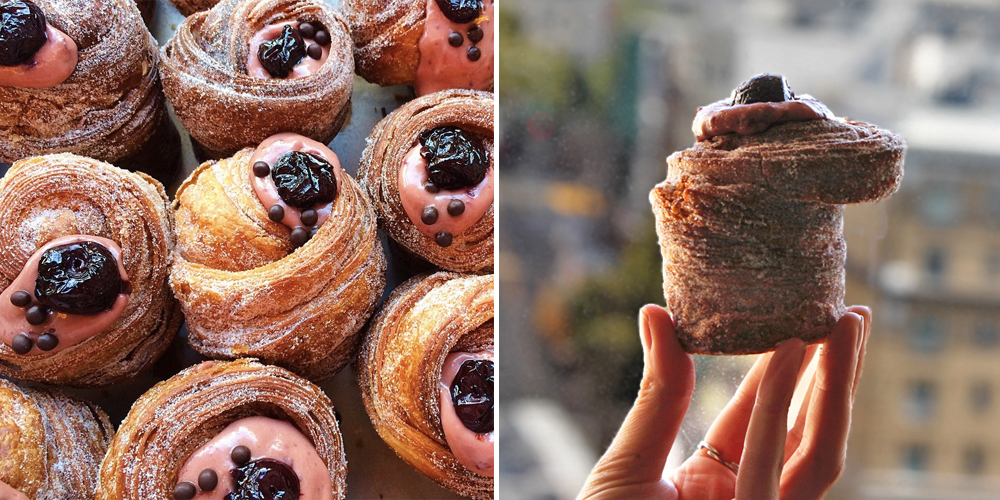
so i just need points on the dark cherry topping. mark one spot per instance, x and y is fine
(36, 315)
(456, 159)
(22, 31)
(443, 239)
(431, 188)
(765, 87)
(264, 479)
(455, 39)
(261, 169)
(279, 56)
(47, 341)
(307, 30)
(20, 298)
(473, 53)
(475, 34)
(461, 11)
(78, 278)
(472, 394)
(314, 51)
(429, 216)
(208, 480)
(304, 179)
(21, 344)
(456, 207)
(276, 213)
(184, 491)
(240, 455)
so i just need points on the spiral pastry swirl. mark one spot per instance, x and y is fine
(206, 78)
(177, 416)
(400, 366)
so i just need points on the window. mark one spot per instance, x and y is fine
(916, 457)
(934, 263)
(974, 460)
(981, 396)
(927, 334)
(921, 400)
(984, 335)
(940, 206)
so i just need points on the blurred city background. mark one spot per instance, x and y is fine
(596, 93)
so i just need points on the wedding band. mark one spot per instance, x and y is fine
(715, 455)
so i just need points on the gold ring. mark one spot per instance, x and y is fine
(715, 455)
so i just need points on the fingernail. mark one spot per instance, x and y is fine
(646, 336)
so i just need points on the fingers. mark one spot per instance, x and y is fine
(763, 449)
(729, 429)
(819, 459)
(639, 452)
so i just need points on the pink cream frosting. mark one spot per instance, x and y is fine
(52, 64)
(266, 438)
(70, 329)
(269, 151)
(473, 450)
(445, 67)
(413, 177)
(721, 117)
(9, 493)
(270, 32)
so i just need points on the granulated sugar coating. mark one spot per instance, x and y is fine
(224, 108)
(246, 292)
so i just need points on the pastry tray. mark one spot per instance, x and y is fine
(374, 469)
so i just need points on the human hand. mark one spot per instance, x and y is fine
(800, 463)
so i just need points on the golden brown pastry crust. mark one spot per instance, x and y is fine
(177, 416)
(111, 107)
(385, 35)
(224, 108)
(53, 443)
(45, 197)
(188, 7)
(751, 234)
(399, 368)
(388, 144)
(245, 292)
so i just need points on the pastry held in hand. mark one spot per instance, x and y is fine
(85, 251)
(218, 428)
(208, 73)
(750, 218)
(433, 44)
(93, 88)
(52, 444)
(426, 376)
(429, 168)
(265, 270)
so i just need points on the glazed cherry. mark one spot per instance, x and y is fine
(765, 87)
(279, 56)
(304, 179)
(472, 394)
(264, 479)
(456, 159)
(78, 278)
(461, 11)
(22, 31)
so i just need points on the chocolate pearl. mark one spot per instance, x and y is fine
(455, 39)
(322, 38)
(299, 236)
(431, 188)
(184, 491)
(429, 216)
(474, 53)
(47, 341)
(20, 298)
(314, 51)
(208, 480)
(276, 213)
(36, 315)
(261, 169)
(475, 34)
(443, 239)
(307, 30)
(313, 232)
(309, 217)
(456, 207)
(21, 344)
(240, 455)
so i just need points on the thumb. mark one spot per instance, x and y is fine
(639, 452)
